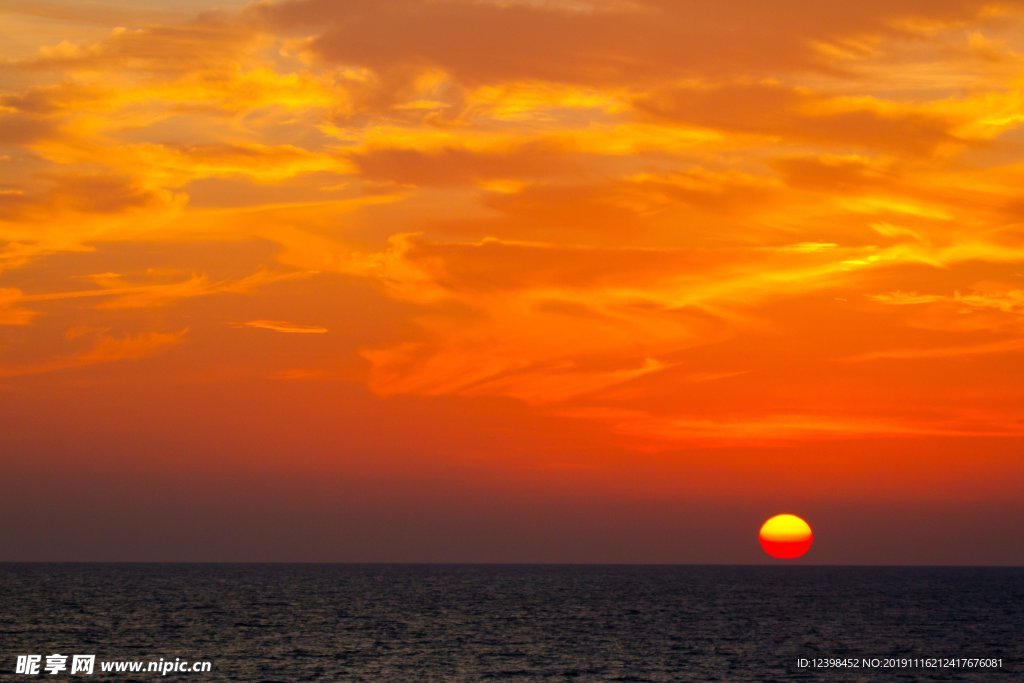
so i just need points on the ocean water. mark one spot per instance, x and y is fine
(524, 623)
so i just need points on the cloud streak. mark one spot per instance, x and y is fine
(105, 349)
(282, 326)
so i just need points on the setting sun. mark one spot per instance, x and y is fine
(786, 537)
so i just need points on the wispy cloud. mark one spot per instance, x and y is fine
(105, 349)
(282, 326)
(1004, 346)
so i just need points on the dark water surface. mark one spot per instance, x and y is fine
(469, 623)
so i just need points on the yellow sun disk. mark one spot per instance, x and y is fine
(785, 528)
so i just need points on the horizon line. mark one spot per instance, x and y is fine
(509, 564)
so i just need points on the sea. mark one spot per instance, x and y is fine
(364, 622)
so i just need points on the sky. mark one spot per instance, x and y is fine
(511, 280)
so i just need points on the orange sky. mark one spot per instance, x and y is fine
(511, 280)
